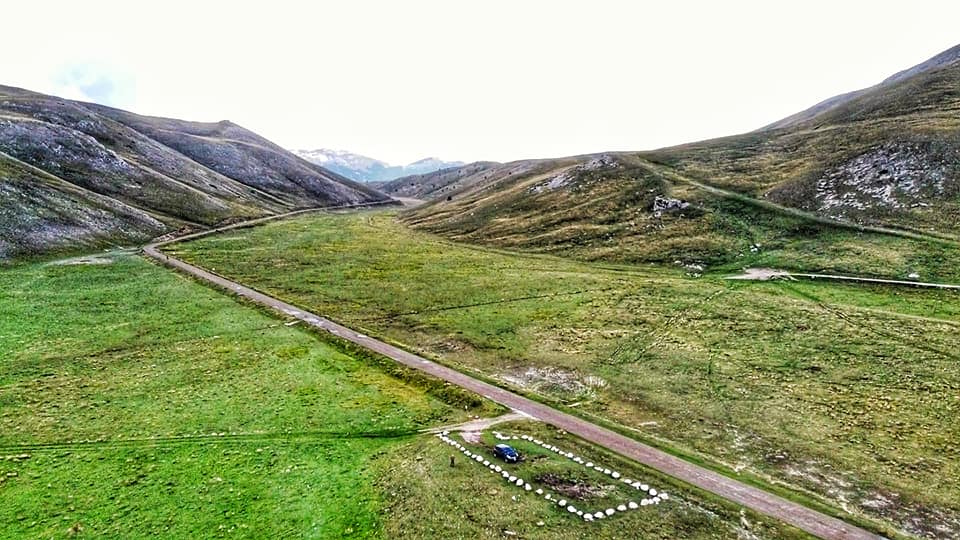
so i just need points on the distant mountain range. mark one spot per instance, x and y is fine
(80, 175)
(367, 169)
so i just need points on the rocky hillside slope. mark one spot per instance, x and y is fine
(78, 174)
(885, 158)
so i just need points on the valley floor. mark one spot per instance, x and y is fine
(137, 403)
(844, 394)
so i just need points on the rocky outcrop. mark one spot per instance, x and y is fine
(895, 175)
(666, 204)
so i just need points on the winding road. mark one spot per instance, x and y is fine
(811, 521)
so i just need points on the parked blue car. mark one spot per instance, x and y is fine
(506, 453)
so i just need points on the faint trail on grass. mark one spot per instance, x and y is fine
(488, 303)
(766, 274)
(226, 438)
(936, 320)
(840, 314)
(482, 423)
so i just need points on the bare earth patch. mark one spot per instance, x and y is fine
(573, 489)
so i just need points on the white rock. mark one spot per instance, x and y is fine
(588, 517)
(598, 468)
(512, 478)
(622, 508)
(644, 502)
(644, 487)
(571, 509)
(539, 491)
(606, 471)
(498, 468)
(519, 481)
(664, 496)
(636, 485)
(615, 474)
(486, 463)
(579, 512)
(589, 464)
(610, 511)
(656, 500)
(598, 515)
(562, 502)
(527, 487)
(653, 492)
(633, 505)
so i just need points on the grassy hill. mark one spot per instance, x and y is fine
(99, 175)
(886, 158)
(941, 60)
(439, 183)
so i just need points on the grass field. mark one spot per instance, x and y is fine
(263, 430)
(135, 403)
(846, 394)
(489, 506)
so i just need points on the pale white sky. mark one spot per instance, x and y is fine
(490, 79)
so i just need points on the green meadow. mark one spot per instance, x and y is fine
(136, 403)
(837, 394)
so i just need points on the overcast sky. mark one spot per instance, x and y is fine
(490, 79)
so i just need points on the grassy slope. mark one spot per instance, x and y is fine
(842, 393)
(785, 165)
(128, 351)
(889, 157)
(437, 184)
(606, 214)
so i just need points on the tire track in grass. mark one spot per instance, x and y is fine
(488, 303)
(214, 438)
(681, 316)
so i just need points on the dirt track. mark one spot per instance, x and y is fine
(765, 274)
(728, 488)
